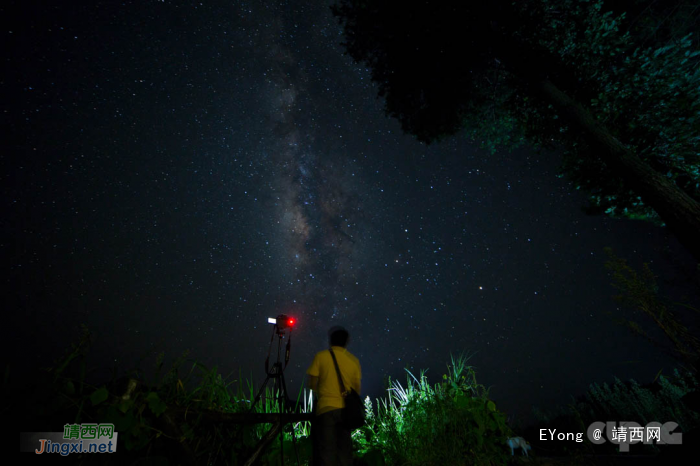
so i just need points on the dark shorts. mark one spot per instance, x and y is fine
(332, 441)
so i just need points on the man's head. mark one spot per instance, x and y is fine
(338, 336)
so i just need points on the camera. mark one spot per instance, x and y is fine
(282, 321)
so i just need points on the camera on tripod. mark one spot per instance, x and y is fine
(282, 321)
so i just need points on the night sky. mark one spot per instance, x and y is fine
(174, 173)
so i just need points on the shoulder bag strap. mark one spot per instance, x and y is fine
(337, 371)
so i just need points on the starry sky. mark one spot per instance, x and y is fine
(175, 172)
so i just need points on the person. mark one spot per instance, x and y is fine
(332, 440)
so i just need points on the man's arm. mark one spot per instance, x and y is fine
(313, 369)
(313, 382)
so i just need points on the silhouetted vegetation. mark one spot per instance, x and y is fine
(639, 291)
(180, 417)
(619, 96)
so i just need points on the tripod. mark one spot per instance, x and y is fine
(279, 385)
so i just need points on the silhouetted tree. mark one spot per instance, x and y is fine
(623, 104)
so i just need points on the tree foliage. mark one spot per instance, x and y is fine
(648, 97)
(440, 71)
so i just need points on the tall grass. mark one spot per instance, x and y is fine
(451, 422)
(659, 401)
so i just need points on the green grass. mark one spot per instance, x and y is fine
(450, 422)
(418, 422)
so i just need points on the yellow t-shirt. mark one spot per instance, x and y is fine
(328, 390)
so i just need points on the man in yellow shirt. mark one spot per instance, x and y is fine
(332, 438)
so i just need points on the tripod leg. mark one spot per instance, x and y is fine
(260, 392)
(294, 443)
(289, 409)
(280, 406)
(263, 443)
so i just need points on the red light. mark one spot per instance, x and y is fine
(290, 322)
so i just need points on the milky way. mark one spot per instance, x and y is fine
(317, 209)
